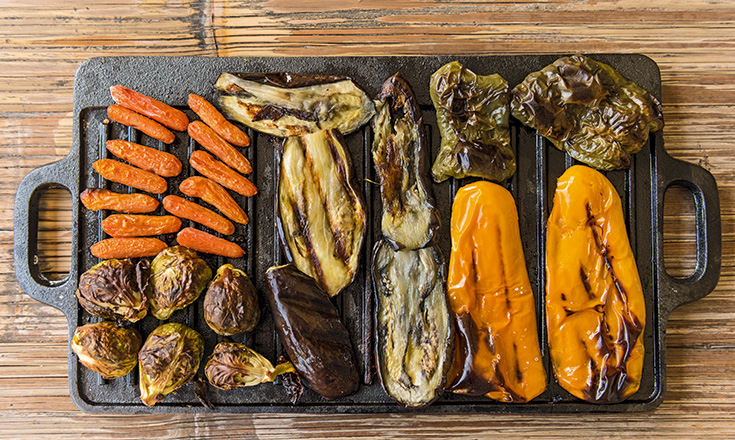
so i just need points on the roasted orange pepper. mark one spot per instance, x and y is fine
(497, 349)
(594, 300)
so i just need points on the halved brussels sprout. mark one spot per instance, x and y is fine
(231, 302)
(234, 365)
(104, 347)
(177, 278)
(111, 290)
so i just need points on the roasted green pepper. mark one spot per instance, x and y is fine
(589, 110)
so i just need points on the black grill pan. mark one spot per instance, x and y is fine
(170, 80)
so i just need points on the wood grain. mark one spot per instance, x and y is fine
(42, 43)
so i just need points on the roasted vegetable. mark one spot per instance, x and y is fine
(311, 332)
(127, 247)
(594, 300)
(213, 193)
(183, 208)
(320, 211)
(472, 114)
(401, 163)
(168, 360)
(218, 171)
(112, 289)
(289, 104)
(215, 144)
(211, 244)
(146, 158)
(498, 351)
(589, 110)
(234, 365)
(154, 109)
(231, 302)
(104, 347)
(135, 225)
(147, 125)
(95, 199)
(119, 172)
(217, 122)
(413, 330)
(177, 277)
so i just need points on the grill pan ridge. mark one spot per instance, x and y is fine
(171, 79)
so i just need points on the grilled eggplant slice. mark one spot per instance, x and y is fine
(472, 114)
(315, 339)
(498, 351)
(400, 153)
(413, 331)
(289, 104)
(594, 299)
(321, 213)
(589, 110)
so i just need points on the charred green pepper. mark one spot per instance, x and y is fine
(589, 110)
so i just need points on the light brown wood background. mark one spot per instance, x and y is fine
(42, 42)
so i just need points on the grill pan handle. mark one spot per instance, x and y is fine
(61, 174)
(708, 228)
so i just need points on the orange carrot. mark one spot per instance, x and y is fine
(213, 118)
(95, 199)
(147, 125)
(136, 247)
(207, 138)
(154, 109)
(131, 225)
(129, 175)
(149, 159)
(200, 241)
(189, 210)
(213, 193)
(221, 173)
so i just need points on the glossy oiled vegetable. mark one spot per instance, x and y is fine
(288, 104)
(472, 114)
(497, 352)
(400, 155)
(104, 347)
(413, 331)
(177, 277)
(589, 110)
(231, 302)
(112, 289)
(234, 365)
(594, 300)
(321, 212)
(168, 360)
(310, 330)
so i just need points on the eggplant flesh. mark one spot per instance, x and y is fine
(399, 154)
(291, 104)
(414, 330)
(321, 214)
(310, 329)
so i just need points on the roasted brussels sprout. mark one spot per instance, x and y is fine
(321, 213)
(168, 360)
(401, 161)
(104, 347)
(472, 114)
(414, 328)
(231, 302)
(234, 365)
(290, 104)
(112, 290)
(595, 309)
(589, 110)
(177, 277)
(311, 332)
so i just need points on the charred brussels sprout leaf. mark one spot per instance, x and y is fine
(472, 114)
(111, 290)
(400, 155)
(288, 104)
(104, 347)
(168, 360)
(315, 339)
(231, 302)
(321, 213)
(234, 365)
(589, 110)
(176, 279)
(413, 331)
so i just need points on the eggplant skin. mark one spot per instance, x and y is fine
(287, 104)
(588, 110)
(472, 115)
(309, 327)
(321, 214)
(400, 155)
(414, 336)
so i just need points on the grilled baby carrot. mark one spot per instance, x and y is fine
(201, 241)
(221, 173)
(130, 175)
(154, 109)
(189, 210)
(130, 225)
(148, 126)
(95, 199)
(135, 247)
(213, 193)
(214, 143)
(149, 159)
(214, 119)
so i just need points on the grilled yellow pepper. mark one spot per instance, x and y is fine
(594, 299)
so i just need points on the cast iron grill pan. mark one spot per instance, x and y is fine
(170, 80)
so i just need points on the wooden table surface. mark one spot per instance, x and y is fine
(43, 42)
